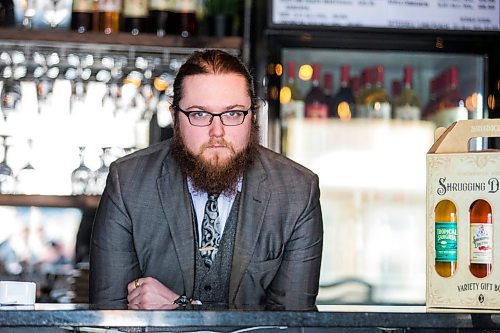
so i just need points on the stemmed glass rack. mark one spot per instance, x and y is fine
(56, 83)
(63, 95)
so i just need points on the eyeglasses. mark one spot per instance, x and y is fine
(205, 118)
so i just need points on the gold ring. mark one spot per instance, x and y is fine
(136, 283)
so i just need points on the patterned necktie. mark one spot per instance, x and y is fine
(210, 230)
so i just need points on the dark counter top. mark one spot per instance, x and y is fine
(335, 316)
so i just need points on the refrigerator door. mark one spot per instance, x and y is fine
(372, 170)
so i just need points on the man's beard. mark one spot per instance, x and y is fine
(220, 178)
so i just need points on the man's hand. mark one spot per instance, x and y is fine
(149, 292)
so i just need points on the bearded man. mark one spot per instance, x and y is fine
(209, 216)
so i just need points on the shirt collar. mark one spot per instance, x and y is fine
(195, 192)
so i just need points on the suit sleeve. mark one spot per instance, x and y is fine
(296, 283)
(113, 260)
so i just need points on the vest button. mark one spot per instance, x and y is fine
(208, 287)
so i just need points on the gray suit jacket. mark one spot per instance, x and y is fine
(144, 227)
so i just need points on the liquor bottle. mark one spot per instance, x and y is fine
(494, 101)
(135, 13)
(291, 100)
(184, 20)
(407, 104)
(109, 16)
(159, 16)
(450, 106)
(366, 88)
(445, 217)
(291, 103)
(344, 102)
(430, 107)
(395, 89)
(7, 17)
(82, 15)
(328, 91)
(315, 100)
(377, 100)
(355, 85)
(481, 238)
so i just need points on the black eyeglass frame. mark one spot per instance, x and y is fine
(212, 115)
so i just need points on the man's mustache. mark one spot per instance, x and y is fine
(217, 142)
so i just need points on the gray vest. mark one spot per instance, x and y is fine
(211, 285)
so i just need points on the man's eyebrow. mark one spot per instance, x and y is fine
(204, 108)
(197, 107)
(235, 106)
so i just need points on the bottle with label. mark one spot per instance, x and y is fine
(395, 89)
(344, 102)
(366, 88)
(291, 103)
(82, 15)
(184, 20)
(315, 100)
(328, 91)
(355, 85)
(407, 104)
(430, 107)
(445, 217)
(450, 106)
(135, 14)
(377, 101)
(494, 101)
(481, 238)
(109, 16)
(291, 100)
(159, 16)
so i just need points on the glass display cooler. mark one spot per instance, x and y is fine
(357, 100)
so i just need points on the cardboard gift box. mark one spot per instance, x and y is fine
(462, 186)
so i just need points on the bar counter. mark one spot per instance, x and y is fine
(335, 318)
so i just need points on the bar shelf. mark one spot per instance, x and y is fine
(60, 201)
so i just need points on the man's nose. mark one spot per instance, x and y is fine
(216, 127)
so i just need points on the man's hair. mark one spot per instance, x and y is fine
(212, 62)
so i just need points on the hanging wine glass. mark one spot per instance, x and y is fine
(147, 91)
(45, 73)
(78, 74)
(19, 64)
(55, 12)
(43, 84)
(163, 84)
(26, 178)
(10, 96)
(101, 174)
(6, 176)
(81, 176)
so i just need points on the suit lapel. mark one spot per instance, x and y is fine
(254, 200)
(176, 204)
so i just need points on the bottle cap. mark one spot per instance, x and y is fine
(290, 69)
(344, 74)
(379, 74)
(408, 75)
(316, 71)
